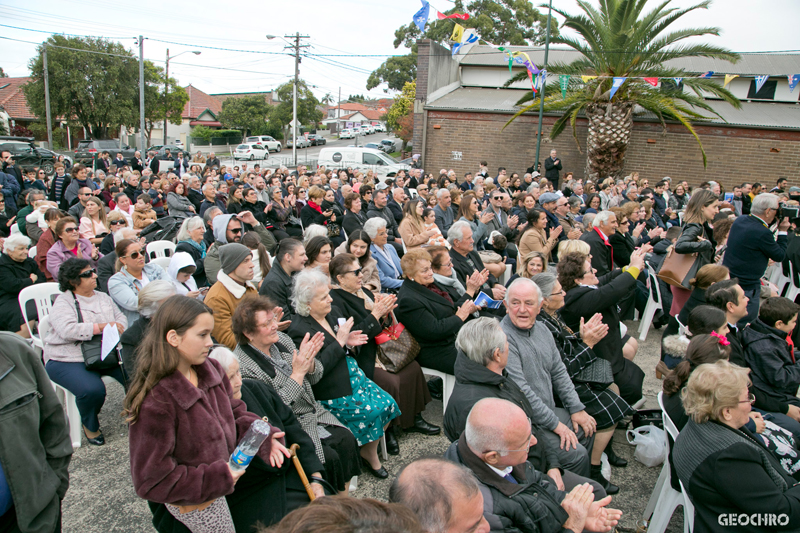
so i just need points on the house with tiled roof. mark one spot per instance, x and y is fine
(13, 102)
(202, 109)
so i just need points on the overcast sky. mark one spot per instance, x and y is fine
(336, 28)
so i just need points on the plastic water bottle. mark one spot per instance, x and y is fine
(248, 447)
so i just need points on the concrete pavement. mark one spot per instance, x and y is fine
(101, 497)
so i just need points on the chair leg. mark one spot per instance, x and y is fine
(651, 504)
(647, 320)
(383, 448)
(668, 501)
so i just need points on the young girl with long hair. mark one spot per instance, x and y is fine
(185, 422)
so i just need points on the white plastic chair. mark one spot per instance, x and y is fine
(32, 252)
(665, 499)
(793, 289)
(780, 280)
(163, 262)
(157, 249)
(41, 294)
(653, 304)
(413, 193)
(449, 383)
(506, 275)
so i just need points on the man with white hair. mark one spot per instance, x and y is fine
(535, 364)
(751, 245)
(466, 261)
(604, 226)
(337, 193)
(517, 497)
(442, 211)
(389, 270)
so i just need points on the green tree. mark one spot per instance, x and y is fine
(2, 73)
(402, 107)
(101, 92)
(247, 114)
(156, 107)
(513, 22)
(621, 40)
(307, 103)
(357, 98)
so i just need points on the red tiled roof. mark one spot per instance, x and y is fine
(351, 107)
(369, 114)
(13, 100)
(199, 102)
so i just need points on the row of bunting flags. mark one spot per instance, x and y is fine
(463, 39)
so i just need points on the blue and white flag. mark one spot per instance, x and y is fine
(760, 82)
(678, 81)
(793, 80)
(468, 40)
(617, 83)
(421, 16)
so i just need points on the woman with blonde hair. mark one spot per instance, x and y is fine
(532, 263)
(412, 227)
(94, 224)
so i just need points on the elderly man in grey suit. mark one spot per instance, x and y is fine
(444, 215)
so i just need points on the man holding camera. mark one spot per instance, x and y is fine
(751, 245)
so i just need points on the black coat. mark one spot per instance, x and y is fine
(335, 381)
(197, 256)
(551, 169)
(261, 482)
(774, 373)
(585, 302)
(353, 222)
(432, 321)
(196, 197)
(309, 215)
(15, 277)
(602, 254)
(258, 211)
(277, 285)
(62, 203)
(106, 267)
(463, 269)
(363, 320)
(688, 243)
(475, 382)
(622, 244)
(129, 341)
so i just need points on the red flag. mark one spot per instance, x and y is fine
(652, 81)
(462, 16)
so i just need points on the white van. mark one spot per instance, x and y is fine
(358, 157)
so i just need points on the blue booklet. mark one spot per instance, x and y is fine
(484, 301)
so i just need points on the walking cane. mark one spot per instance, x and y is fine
(296, 460)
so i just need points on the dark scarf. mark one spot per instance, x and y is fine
(436, 290)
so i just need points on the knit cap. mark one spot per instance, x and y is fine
(232, 255)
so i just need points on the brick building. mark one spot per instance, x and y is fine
(461, 108)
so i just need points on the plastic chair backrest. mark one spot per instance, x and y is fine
(157, 249)
(669, 425)
(655, 289)
(32, 252)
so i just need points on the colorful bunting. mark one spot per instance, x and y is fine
(729, 78)
(421, 16)
(461, 16)
(615, 85)
(458, 33)
(652, 81)
(467, 41)
(793, 79)
(563, 80)
(587, 78)
(760, 82)
(708, 74)
(678, 81)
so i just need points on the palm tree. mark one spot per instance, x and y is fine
(620, 40)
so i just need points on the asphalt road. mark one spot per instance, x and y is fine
(306, 156)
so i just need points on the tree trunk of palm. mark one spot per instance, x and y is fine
(610, 125)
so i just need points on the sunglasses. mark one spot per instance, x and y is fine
(135, 255)
(117, 223)
(356, 272)
(71, 229)
(236, 231)
(88, 274)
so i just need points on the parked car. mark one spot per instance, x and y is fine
(250, 151)
(317, 139)
(161, 149)
(361, 158)
(388, 146)
(302, 142)
(265, 140)
(380, 128)
(55, 155)
(88, 150)
(27, 155)
(375, 146)
(346, 134)
(369, 129)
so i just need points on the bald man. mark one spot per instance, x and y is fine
(445, 496)
(494, 446)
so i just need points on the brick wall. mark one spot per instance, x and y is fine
(734, 154)
(423, 60)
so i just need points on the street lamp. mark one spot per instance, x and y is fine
(166, 86)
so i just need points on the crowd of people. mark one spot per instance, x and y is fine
(318, 298)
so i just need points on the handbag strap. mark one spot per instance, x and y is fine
(77, 307)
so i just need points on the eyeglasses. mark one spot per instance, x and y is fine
(751, 399)
(558, 293)
(590, 271)
(88, 274)
(71, 229)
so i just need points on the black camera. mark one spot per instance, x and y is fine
(791, 211)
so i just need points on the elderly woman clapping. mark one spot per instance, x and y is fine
(713, 456)
(353, 398)
(17, 271)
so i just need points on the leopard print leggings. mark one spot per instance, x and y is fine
(216, 518)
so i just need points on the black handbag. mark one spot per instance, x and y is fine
(93, 349)
(598, 372)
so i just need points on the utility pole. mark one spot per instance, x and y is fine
(142, 145)
(297, 48)
(166, 91)
(544, 81)
(339, 113)
(47, 99)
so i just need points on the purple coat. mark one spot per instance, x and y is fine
(184, 435)
(58, 253)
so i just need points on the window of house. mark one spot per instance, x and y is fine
(767, 91)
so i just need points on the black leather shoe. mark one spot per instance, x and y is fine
(597, 475)
(380, 473)
(422, 426)
(613, 458)
(435, 387)
(391, 442)
(97, 441)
